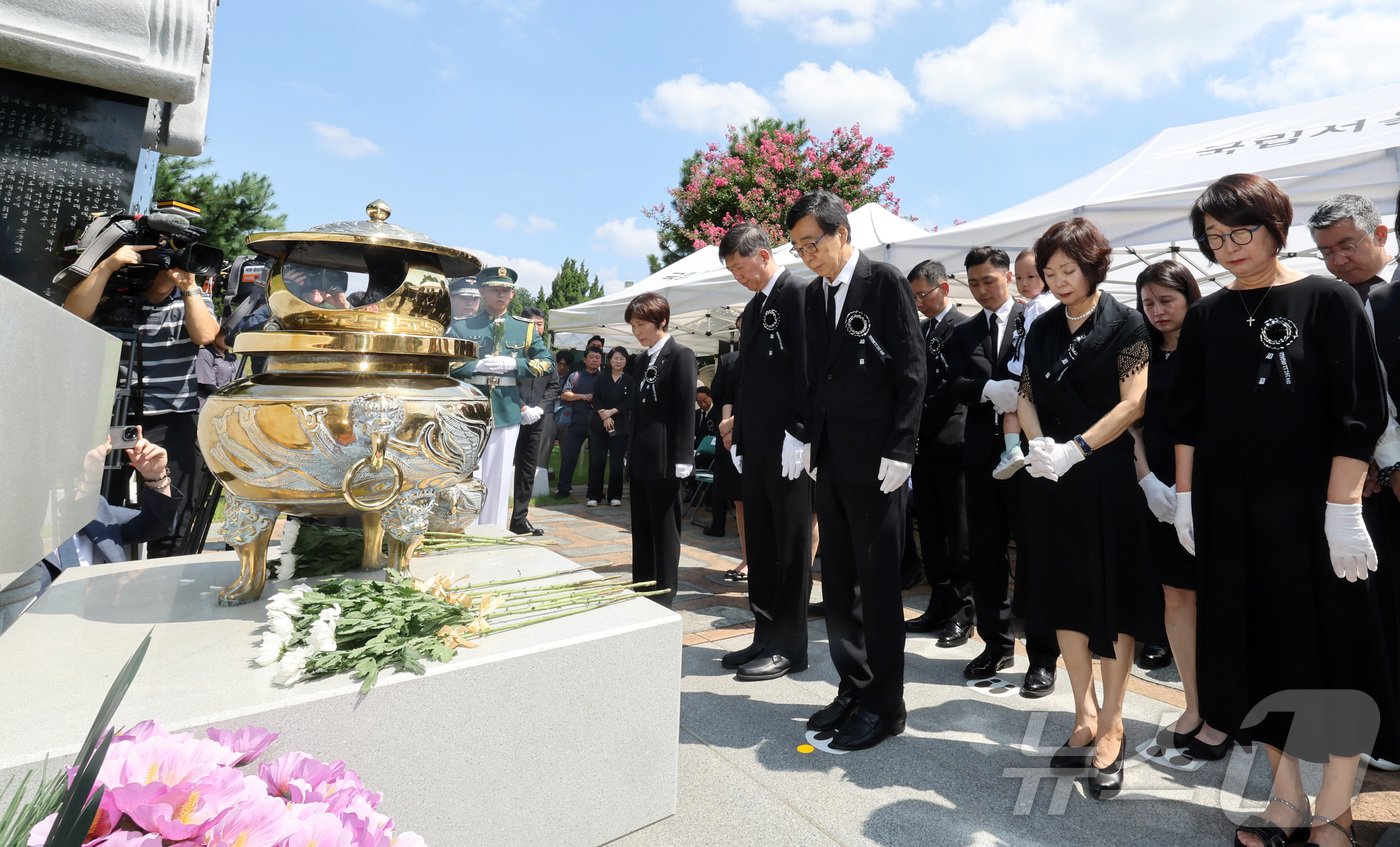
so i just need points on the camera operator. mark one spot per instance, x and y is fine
(177, 318)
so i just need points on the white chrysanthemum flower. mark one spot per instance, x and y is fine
(291, 528)
(270, 651)
(285, 604)
(281, 625)
(321, 638)
(331, 614)
(291, 666)
(298, 590)
(286, 566)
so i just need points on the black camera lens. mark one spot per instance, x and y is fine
(129, 434)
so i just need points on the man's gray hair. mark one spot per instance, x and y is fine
(1358, 209)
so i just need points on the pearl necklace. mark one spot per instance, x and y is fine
(1092, 307)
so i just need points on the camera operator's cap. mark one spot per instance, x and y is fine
(464, 285)
(497, 277)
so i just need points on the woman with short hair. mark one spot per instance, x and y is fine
(608, 429)
(1276, 407)
(1079, 567)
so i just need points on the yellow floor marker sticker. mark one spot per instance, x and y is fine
(804, 749)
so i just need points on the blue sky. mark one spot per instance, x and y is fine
(535, 130)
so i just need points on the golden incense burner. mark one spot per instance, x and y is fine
(357, 411)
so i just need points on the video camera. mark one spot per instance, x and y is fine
(176, 241)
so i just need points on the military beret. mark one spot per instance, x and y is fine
(497, 276)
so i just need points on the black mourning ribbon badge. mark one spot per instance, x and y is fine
(1277, 335)
(771, 320)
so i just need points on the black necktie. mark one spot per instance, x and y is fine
(831, 311)
(992, 334)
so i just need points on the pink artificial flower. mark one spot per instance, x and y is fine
(408, 839)
(184, 811)
(319, 830)
(254, 822)
(247, 743)
(167, 759)
(128, 838)
(303, 779)
(39, 833)
(142, 731)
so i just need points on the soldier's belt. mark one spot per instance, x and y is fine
(481, 379)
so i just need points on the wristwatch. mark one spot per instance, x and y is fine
(1083, 445)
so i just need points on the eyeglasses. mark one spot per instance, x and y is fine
(1346, 248)
(807, 251)
(1241, 236)
(920, 295)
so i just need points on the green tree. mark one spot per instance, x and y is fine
(229, 210)
(757, 174)
(571, 285)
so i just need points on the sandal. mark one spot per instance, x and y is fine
(733, 575)
(1348, 831)
(1270, 833)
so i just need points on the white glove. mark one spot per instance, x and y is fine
(1161, 498)
(1353, 555)
(530, 415)
(738, 460)
(1003, 394)
(794, 456)
(1184, 522)
(683, 471)
(893, 475)
(1051, 461)
(495, 365)
(807, 462)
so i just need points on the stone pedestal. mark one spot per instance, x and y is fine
(560, 733)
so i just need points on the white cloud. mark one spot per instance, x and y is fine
(536, 223)
(843, 96)
(625, 238)
(692, 103)
(1044, 60)
(505, 221)
(612, 286)
(533, 223)
(1327, 55)
(835, 22)
(534, 275)
(341, 141)
(403, 7)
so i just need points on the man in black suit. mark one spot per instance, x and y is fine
(939, 504)
(978, 353)
(537, 396)
(768, 436)
(865, 363)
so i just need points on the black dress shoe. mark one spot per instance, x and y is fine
(864, 729)
(1072, 761)
(1038, 682)
(1198, 749)
(924, 623)
(986, 665)
(954, 634)
(1154, 656)
(833, 714)
(525, 528)
(739, 658)
(816, 610)
(1168, 737)
(769, 667)
(1105, 783)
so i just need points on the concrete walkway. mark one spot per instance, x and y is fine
(971, 769)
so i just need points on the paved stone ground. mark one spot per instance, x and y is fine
(962, 774)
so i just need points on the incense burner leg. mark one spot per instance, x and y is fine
(373, 558)
(248, 529)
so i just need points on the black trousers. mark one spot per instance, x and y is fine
(571, 445)
(778, 546)
(605, 452)
(862, 534)
(527, 458)
(940, 510)
(991, 503)
(178, 434)
(656, 535)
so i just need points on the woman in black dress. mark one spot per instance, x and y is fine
(661, 451)
(1079, 570)
(1165, 290)
(1274, 412)
(608, 428)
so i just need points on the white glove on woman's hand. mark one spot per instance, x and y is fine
(893, 474)
(737, 459)
(1003, 394)
(1184, 522)
(794, 456)
(1348, 542)
(683, 471)
(1161, 498)
(495, 365)
(1051, 461)
(530, 415)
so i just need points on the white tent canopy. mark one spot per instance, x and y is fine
(1315, 150)
(705, 298)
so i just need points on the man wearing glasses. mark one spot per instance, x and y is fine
(1348, 232)
(865, 363)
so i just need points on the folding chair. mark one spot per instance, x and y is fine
(704, 477)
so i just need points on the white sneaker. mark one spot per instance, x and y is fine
(614, 502)
(591, 503)
(1011, 462)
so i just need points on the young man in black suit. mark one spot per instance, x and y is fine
(979, 351)
(865, 363)
(939, 502)
(768, 436)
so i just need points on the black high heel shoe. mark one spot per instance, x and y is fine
(1271, 834)
(1072, 761)
(1348, 831)
(1167, 737)
(1198, 749)
(1105, 783)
